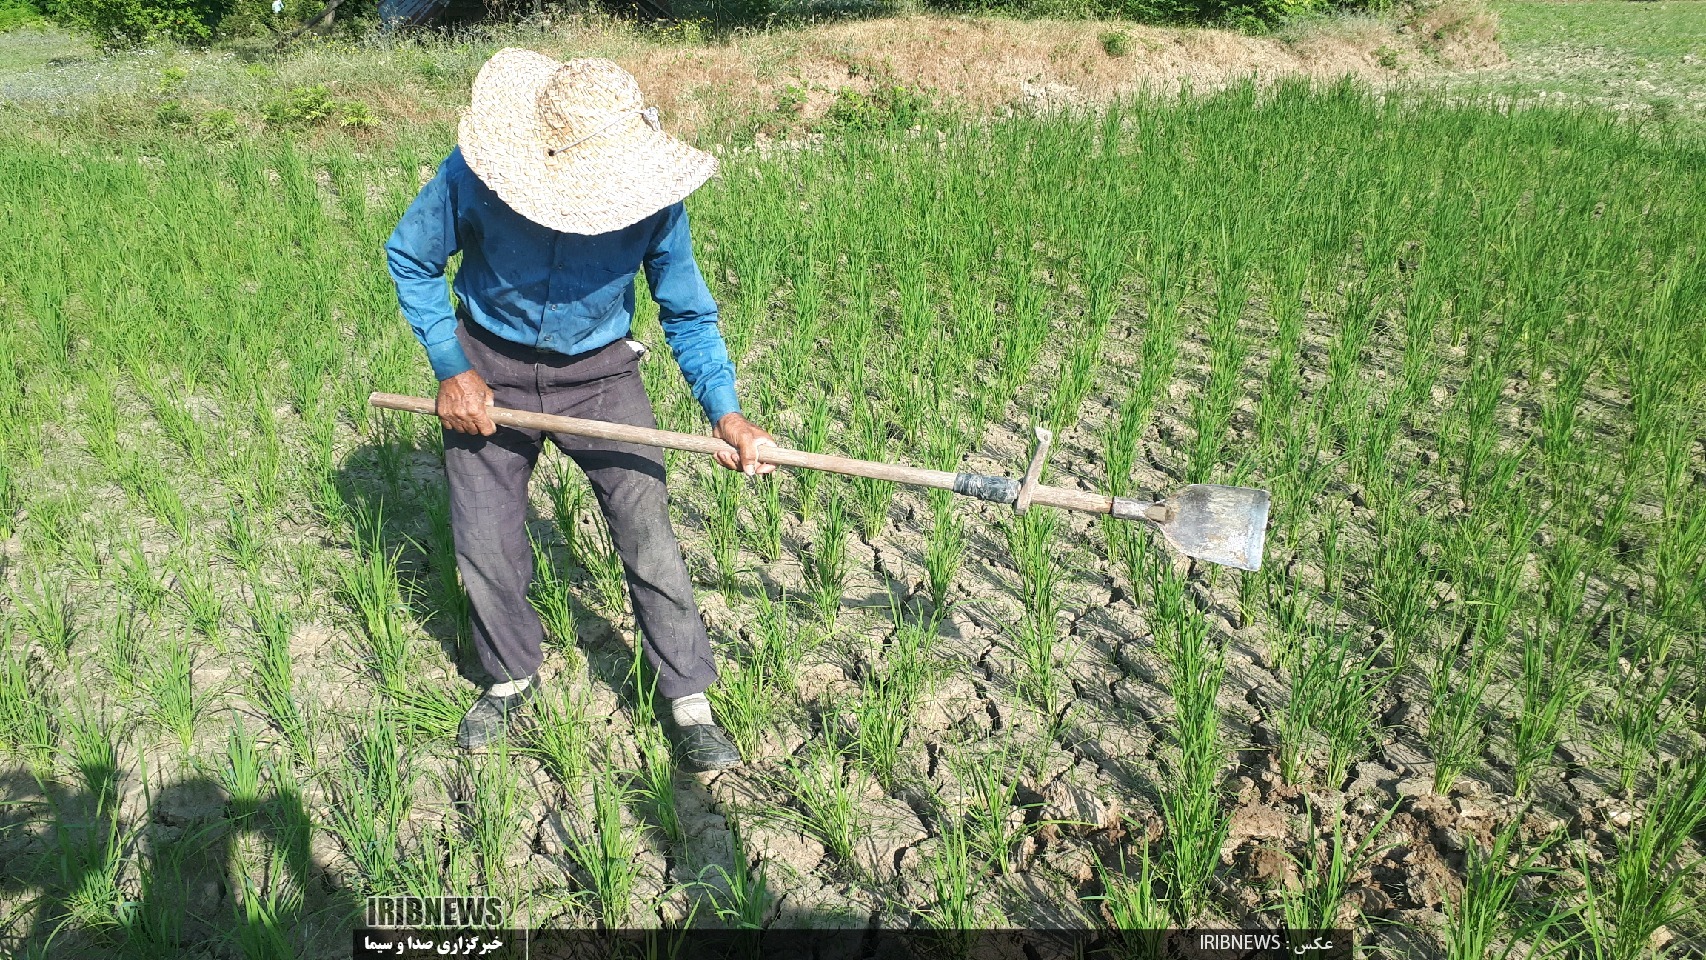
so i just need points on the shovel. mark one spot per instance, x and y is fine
(1215, 524)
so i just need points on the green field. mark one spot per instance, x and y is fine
(1459, 708)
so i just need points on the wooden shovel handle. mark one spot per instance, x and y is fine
(996, 489)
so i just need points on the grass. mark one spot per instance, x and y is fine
(1458, 345)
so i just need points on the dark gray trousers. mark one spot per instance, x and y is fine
(488, 508)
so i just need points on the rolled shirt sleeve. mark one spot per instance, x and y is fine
(417, 254)
(688, 315)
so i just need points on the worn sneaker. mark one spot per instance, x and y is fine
(486, 721)
(703, 747)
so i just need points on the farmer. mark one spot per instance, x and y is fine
(561, 188)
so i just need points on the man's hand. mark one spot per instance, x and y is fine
(740, 433)
(462, 403)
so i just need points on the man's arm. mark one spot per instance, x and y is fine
(417, 253)
(689, 318)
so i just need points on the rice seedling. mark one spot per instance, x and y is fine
(449, 598)
(239, 773)
(606, 852)
(996, 823)
(872, 496)
(174, 705)
(1325, 871)
(1645, 886)
(44, 606)
(91, 751)
(954, 910)
(609, 578)
(749, 896)
(827, 804)
(826, 569)
(1131, 907)
(767, 516)
(121, 653)
(26, 714)
(243, 545)
(271, 679)
(1636, 717)
(551, 595)
(372, 793)
(197, 595)
(946, 548)
(1487, 922)
(723, 524)
(558, 738)
(813, 435)
(1191, 806)
(656, 783)
(371, 586)
(492, 812)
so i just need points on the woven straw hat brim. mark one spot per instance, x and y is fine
(612, 180)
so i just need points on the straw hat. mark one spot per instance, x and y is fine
(573, 146)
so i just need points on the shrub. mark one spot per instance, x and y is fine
(1116, 43)
(17, 13)
(891, 107)
(120, 23)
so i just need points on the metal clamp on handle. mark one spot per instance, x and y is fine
(1125, 509)
(1034, 472)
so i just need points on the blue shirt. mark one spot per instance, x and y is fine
(562, 292)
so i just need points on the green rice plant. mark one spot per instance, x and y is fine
(607, 852)
(569, 497)
(747, 698)
(1333, 693)
(881, 717)
(121, 652)
(1191, 806)
(955, 908)
(946, 548)
(1486, 921)
(26, 713)
(609, 578)
(91, 750)
(1131, 907)
(722, 523)
(1646, 885)
(656, 782)
(243, 545)
(371, 586)
(553, 597)
(271, 679)
(44, 607)
(197, 595)
(240, 773)
(11, 500)
(826, 566)
(559, 737)
(145, 479)
(767, 518)
(1637, 718)
(749, 895)
(449, 598)
(813, 434)
(172, 413)
(492, 812)
(1325, 871)
(1552, 689)
(136, 577)
(174, 705)
(873, 496)
(371, 795)
(995, 821)
(826, 803)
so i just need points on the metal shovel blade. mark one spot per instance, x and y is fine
(1224, 525)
